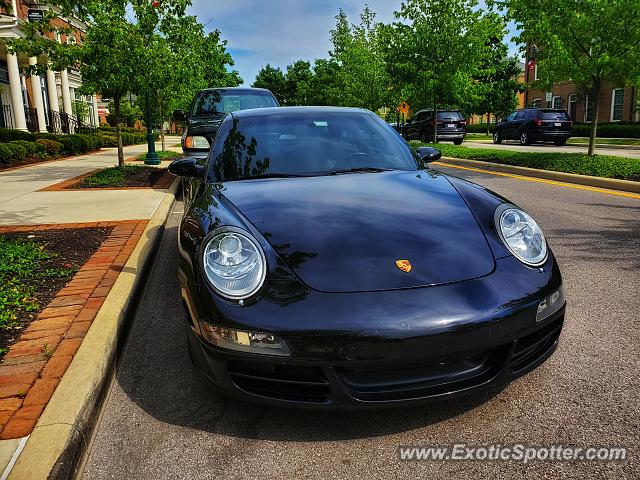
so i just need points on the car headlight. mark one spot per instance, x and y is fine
(234, 263)
(196, 142)
(521, 235)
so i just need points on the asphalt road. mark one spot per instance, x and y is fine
(550, 147)
(162, 421)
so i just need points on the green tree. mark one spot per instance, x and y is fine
(324, 86)
(272, 79)
(496, 79)
(592, 42)
(129, 113)
(435, 50)
(357, 51)
(298, 83)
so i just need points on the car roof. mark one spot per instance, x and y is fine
(238, 89)
(260, 112)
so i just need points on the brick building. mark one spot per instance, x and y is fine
(40, 103)
(616, 104)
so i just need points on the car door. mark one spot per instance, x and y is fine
(516, 124)
(413, 126)
(506, 128)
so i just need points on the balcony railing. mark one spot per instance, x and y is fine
(72, 124)
(6, 117)
(55, 122)
(31, 115)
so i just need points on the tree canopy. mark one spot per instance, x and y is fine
(592, 42)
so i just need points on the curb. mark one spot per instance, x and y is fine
(62, 434)
(569, 144)
(608, 183)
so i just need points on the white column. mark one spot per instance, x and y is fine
(54, 105)
(15, 85)
(96, 118)
(66, 94)
(36, 92)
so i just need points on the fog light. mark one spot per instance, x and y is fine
(550, 305)
(196, 142)
(244, 341)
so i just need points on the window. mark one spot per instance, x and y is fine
(520, 115)
(537, 102)
(558, 103)
(221, 102)
(617, 103)
(511, 116)
(71, 39)
(588, 109)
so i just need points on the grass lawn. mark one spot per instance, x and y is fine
(24, 265)
(125, 176)
(575, 140)
(579, 163)
(163, 154)
(607, 141)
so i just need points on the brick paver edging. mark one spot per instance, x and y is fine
(31, 370)
(163, 183)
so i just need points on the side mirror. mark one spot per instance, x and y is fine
(179, 115)
(429, 154)
(186, 167)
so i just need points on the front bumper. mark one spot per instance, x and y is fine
(444, 341)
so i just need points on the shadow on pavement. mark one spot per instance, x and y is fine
(156, 373)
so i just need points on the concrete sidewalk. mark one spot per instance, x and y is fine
(22, 204)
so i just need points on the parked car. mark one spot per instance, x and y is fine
(322, 262)
(208, 109)
(533, 125)
(451, 126)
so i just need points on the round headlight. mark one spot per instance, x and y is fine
(521, 235)
(234, 263)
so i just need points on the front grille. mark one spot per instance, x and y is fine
(531, 348)
(281, 382)
(424, 381)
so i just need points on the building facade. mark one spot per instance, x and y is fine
(49, 103)
(616, 104)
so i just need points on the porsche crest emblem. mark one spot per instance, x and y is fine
(404, 265)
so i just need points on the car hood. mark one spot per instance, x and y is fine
(344, 233)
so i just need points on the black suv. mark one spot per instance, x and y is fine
(452, 126)
(533, 125)
(208, 109)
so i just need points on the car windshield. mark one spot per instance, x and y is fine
(307, 143)
(554, 115)
(220, 102)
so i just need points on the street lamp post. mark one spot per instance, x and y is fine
(152, 156)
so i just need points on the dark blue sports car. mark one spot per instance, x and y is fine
(322, 262)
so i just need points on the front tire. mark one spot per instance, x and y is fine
(524, 138)
(497, 139)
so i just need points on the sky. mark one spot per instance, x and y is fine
(279, 32)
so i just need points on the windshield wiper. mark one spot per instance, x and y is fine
(267, 175)
(357, 170)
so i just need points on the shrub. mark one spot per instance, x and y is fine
(479, 128)
(48, 136)
(8, 135)
(109, 140)
(12, 153)
(52, 148)
(94, 142)
(74, 144)
(32, 149)
(608, 130)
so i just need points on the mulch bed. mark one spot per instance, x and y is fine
(141, 177)
(34, 365)
(155, 178)
(72, 248)
(6, 167)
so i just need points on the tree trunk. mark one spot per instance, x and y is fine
(161, 123)
(488, 123)
(435, 120)
(594, 121)
(116, 107)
